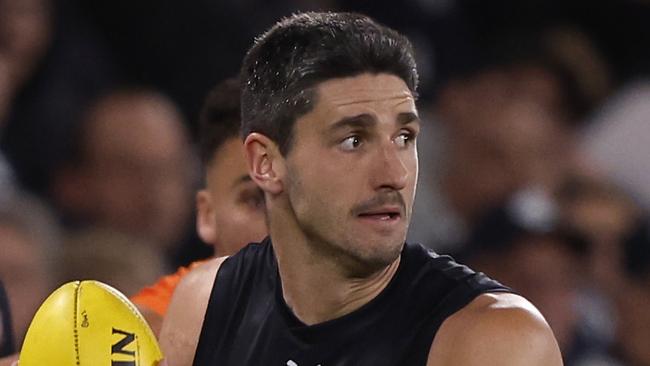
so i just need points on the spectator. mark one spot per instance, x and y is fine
(129, 169)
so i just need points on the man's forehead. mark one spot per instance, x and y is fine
(364, 90)
(231, 148)
(363, 84)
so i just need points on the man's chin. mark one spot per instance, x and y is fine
(373, 261)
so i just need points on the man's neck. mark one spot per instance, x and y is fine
(316, 289)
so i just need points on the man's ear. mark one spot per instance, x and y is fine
(265, 163)
(206, 225)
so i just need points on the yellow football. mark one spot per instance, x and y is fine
(88, 323)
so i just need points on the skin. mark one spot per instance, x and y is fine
(182, 324)
(362, 129)
(495, 329)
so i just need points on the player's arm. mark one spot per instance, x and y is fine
(182, 324)
(153, 319)
(495, 329)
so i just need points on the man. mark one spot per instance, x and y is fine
(129, 168)
(330, 124)
(230, 209)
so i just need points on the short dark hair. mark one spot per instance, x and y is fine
(285, 63)
(219, 120)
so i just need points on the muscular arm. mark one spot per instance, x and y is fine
(495, 329)
(182, 324)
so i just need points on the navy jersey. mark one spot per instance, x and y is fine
(247, 321)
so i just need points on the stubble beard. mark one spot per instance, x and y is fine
(330, 238)
(355, 256)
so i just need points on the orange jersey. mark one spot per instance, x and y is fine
(158, 296)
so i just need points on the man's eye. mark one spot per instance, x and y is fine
(404, 139)
(351, 143)
(254, 200)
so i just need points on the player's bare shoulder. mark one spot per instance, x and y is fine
(495, 329)
(182, 323)
(202, 275)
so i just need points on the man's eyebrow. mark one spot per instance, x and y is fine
(363, 120)
(243, 179)
(366, 120)
(407, 117)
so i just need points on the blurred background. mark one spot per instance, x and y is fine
(534, 157)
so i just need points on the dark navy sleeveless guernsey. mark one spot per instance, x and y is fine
(248, 323)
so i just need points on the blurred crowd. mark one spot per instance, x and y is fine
(534, 156)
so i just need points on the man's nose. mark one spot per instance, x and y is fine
(390, 170)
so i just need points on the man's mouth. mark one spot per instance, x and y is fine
(382, 214)
(384, 209)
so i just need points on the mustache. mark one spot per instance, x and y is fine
(393, 198)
